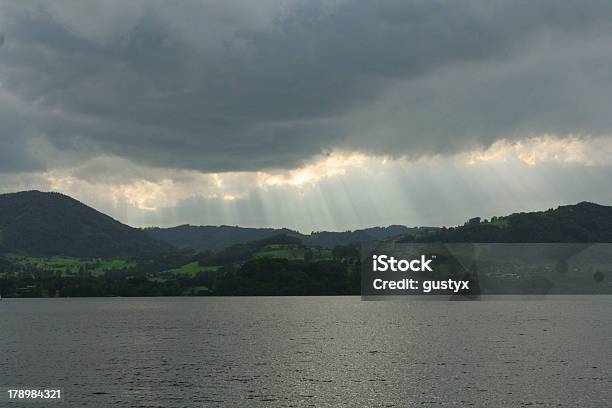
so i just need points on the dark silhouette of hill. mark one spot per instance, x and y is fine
(47, 224)
(582, 222)
(210, 238)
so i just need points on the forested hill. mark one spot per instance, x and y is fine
(52, 224)
(582, 222)
(332, 239)
(213, 238)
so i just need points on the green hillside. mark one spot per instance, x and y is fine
(583, 222)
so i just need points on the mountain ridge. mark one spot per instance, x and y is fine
(217, 238)
(51, 223)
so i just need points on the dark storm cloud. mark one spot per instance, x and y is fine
(207, 86)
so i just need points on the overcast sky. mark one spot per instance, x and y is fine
(313, 115)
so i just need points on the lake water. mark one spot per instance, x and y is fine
(309, 351)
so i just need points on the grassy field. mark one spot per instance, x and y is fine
(195, 290)
(67, 267)
(293, 252)
(71, 266)
(191, 269)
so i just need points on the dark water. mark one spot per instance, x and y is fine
(194, 352)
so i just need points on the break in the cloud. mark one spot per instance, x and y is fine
(154, 110)
(346, 190)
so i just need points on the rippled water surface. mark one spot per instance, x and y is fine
(314, 351)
